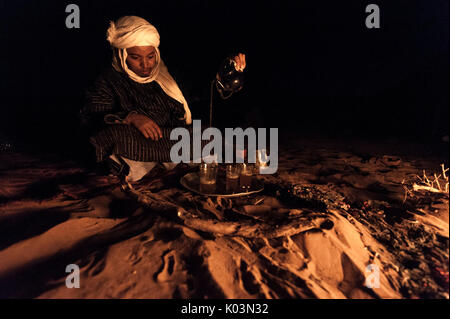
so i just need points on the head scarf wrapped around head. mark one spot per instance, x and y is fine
(131, 31)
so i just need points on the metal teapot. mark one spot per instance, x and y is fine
(228, 79)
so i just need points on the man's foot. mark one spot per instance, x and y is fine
(169, 165)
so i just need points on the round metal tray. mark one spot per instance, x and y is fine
(191, 181)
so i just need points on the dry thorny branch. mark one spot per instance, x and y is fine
(434, 184)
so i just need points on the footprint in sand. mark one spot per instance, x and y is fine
(249, 281)
(135, 255)
(95, 263)
(166, 270)
(172, 276)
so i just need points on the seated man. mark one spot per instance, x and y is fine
(134, 105)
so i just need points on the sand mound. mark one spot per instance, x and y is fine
(321, 221)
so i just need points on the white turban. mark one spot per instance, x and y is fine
(131, 31)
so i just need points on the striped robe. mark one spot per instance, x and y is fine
(113, 96)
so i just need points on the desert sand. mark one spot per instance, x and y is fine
(332, 209)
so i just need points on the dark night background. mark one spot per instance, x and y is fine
(312, 66)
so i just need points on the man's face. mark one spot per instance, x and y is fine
(141, 60)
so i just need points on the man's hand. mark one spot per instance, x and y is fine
(146, 126)
(240, 62)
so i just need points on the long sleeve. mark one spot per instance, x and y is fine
(108, 103)
(101, 106)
